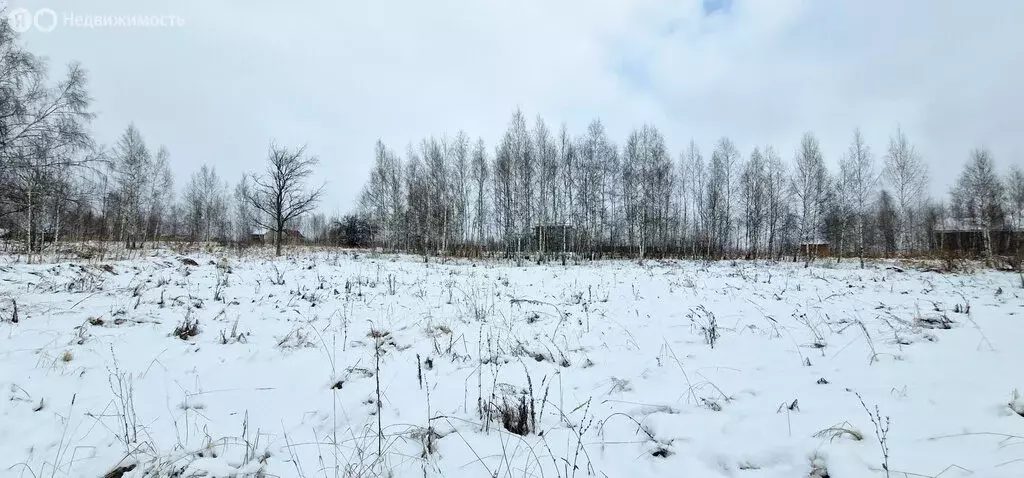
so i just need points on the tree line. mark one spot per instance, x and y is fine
(536, 191)
(549, 193)
(58, 183)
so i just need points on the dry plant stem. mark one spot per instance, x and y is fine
(380, 428)
(881, 431)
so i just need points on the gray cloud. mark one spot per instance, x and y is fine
(339, 75)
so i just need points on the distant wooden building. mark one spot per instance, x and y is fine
(969, 238)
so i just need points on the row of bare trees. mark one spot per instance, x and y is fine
(538, 190)
(57, 183)
(596, 198)
(43, 135)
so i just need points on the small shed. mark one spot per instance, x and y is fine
(969, 237)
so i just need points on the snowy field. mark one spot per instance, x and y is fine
(341, 364)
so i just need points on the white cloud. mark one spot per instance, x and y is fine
(339, 75)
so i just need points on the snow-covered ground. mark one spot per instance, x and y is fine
(618, 369)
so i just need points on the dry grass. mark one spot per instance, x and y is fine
(838, 431)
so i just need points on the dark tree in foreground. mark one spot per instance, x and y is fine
(280, 194)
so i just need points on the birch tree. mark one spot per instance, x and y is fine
(43, 132)
(694, 165)
(460, 184)
(159, 193)
(907, 175)
(245, 214)
(754, 186)
(859, 180)
(1015, 196)
(809, 185)
(977, 198)
(777, 197)
(131, 167)
(547, 175)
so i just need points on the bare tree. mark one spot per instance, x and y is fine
(1015, 195)
(859, 182)
(459, 152)
(524, 161)
(504, 192)
(907, 175)
(43, 134)
(480, 175)
(683, 185)
(547, 170)
(159, 194)
(205, 204)
(280, 194)
(693, 163)
(777, 197)
(418, 194)
(568, 159)
(245, 214)
(754, 188)
(131, 169)
(382, 199)
(648, 179)
(720, 194)
(439, 204)
(595, 167)
(977, 198)
(810, 183)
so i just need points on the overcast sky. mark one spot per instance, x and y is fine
(337, 75)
